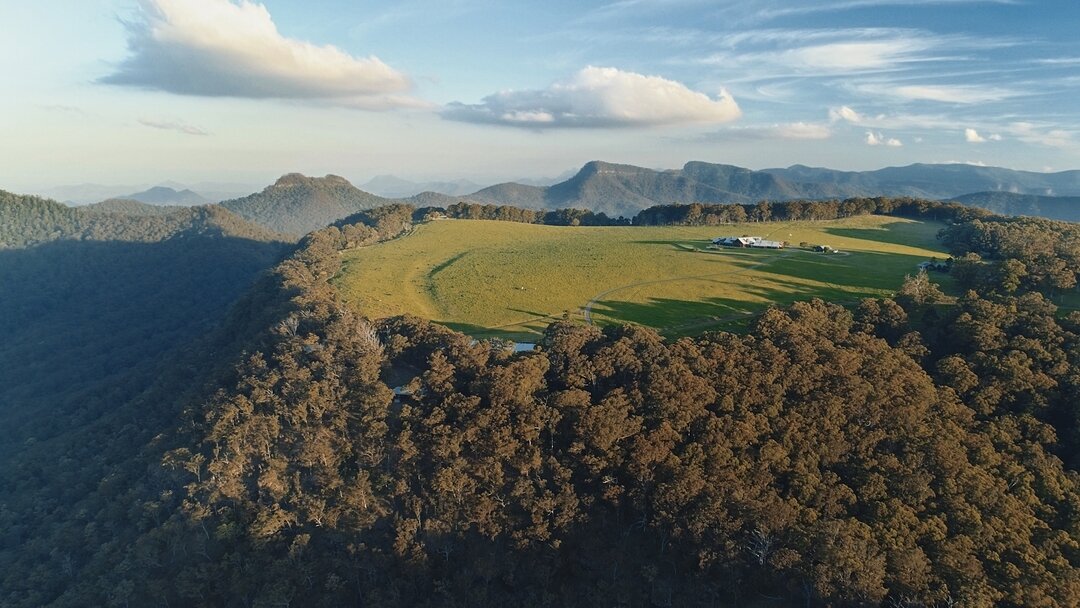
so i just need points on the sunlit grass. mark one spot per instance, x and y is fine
(507, 279)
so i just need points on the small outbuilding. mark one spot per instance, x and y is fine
(763, 244)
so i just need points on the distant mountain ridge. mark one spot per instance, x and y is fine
(941, 181)
(624, 190)
(1009, 203)
(164, 195)
(297, 204)
(391, 186)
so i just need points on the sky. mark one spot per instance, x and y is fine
(240, 92)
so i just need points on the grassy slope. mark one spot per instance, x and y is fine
(507, 279)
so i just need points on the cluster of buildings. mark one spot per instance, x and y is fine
(747, 241)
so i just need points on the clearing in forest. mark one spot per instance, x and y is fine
(504, 279)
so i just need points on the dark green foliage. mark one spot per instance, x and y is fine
(129, 207)
(1024, 254)
(699, 214)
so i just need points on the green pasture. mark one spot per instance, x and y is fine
(510, 280)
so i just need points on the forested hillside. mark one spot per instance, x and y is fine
(129, 207)
(1065, 208)
(90, 303)
(297, 204)
(905, 452)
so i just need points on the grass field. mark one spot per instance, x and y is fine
(510, 280)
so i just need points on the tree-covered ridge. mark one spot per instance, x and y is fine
(127, 206)
(297, 204)
(903, 453)
(31, 220)
(25, 220)
(1066, 208)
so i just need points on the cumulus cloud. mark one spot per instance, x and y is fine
(972, 137)
(172, 125)
(219, 48)
(845, 113)
(599, 97)
(877, 139)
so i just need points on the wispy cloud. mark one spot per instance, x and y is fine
(1040, 134)
(807, 8)
(786, 131)
(891, 121)
(219, 48)
(956, 94)
(768, 53)
(877, 139)
(599, 97)
(172, 125)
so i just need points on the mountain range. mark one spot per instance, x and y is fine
(626, 189)
(296, 204)
(164, 195)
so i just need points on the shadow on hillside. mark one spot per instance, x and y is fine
(893, 233)
(84, 318)
(486, 333)
(682, 244)
(858, 270)
(684, 316)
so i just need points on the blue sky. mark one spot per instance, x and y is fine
(143, 91)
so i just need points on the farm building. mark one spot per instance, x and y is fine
(934, 266)
(747, 241)
(763, 244)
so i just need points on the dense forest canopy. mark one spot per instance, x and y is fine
(904, 452)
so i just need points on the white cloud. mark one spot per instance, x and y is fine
(891, 121)
(219, 48)
(172, 125)
(790, 131)
(1040, 134)
(600, 97)
(972, 137)
(822, 7)
(958, 94)
(877, 139)
(845, 113)
(853, 56)
(803, 130)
